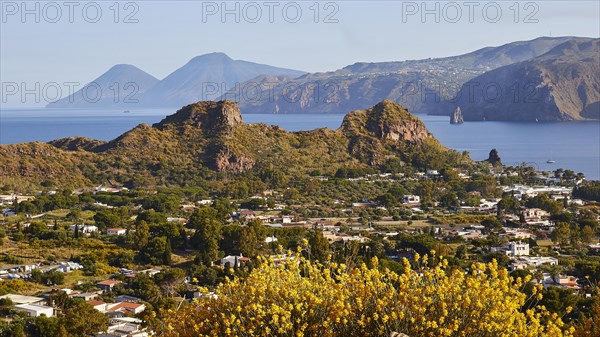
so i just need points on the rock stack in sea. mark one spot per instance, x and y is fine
(457, 117)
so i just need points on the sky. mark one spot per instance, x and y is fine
(46, 42)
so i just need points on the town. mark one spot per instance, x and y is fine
(114, 256)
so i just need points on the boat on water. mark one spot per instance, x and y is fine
(126, 111)
(550, 161)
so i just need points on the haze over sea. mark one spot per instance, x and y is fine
(574, 145)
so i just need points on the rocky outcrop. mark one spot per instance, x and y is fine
(385, 124)
(387, 121)
(210, 117)
(494, 158)
(457, 116)
(226, 161)
(76, 143)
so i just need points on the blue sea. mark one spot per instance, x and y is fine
(573, 145)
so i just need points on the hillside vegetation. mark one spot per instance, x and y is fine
(208, 141)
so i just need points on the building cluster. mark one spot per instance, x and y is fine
(120, 311)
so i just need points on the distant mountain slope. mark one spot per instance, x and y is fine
(207, 142)
(422, 86)
(207, 77)
(122, 86)
(561, 85)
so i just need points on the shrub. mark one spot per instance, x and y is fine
(301, 298)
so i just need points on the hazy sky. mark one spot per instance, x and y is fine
(78, 41)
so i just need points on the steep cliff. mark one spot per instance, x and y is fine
(561, 85)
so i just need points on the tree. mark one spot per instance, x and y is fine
(155, 251)
(106, 219)
(491, 224)
(171, 280)
(500, 258)
(575, 235)
(252, 238)
(230, 242)
(74, 215)
(569, 175)
(461, 252)
(141, 234)
(558, 299)
(587, 234)
(319, 246)
(224, 207)
(449, 200)
(589, 325)
(208, 234)
(544, 202)
(80, 319)
(561, 233)
(166, 256)
(46, 326)
(152, 217)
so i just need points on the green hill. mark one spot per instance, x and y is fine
(208, 141)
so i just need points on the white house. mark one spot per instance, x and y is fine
(23, 299)
(116, 231)
(66, 267)
(535, 214)
(98, 305)
(134, 308)
(411, 199)
(233, 261)
(35, 310)
(85, 229)
(518, 248)
(270, 239)
(523, 262)
(513, 249)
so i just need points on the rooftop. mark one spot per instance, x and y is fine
(22, 299)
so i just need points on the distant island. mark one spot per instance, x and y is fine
(545, 79)
(560, 85)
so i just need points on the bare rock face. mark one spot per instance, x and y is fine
(226, 161)
(385, 124)
(210, 117)
(387, 121)
(404, 131)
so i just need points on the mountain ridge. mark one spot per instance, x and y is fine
(203, 141)
(422, 86)
(560, 85)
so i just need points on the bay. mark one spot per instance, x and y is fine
(573, 145)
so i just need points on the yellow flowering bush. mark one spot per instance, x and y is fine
(300, 298)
